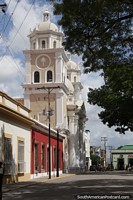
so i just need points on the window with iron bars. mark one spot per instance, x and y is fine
(21, 163)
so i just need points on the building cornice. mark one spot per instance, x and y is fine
(45, 86)
(59, 51)
(50, 32)
(4, 95)
(121, 151)
(38, 126)
(6, 111)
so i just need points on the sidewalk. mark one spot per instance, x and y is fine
(15, 186)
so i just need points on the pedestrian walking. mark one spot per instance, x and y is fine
(1, 178)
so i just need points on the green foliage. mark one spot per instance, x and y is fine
(116, 98)
(101, 32)
(95, 159)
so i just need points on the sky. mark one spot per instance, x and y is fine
(21, 17)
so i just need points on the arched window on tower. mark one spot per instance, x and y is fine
(36, 77)
(75, 79)
(49, 76)
(54, 44)
(43, 44)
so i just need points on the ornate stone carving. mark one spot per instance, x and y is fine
(43, 61)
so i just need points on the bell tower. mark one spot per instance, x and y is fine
(53, 85)
(46, 68)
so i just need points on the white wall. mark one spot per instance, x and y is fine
(16, 131)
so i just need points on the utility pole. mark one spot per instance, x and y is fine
(49, 133)
(104, 139)
(57, 164)
(3, 7)
(111, 164)
(49, 90)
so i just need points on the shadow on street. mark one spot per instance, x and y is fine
(67, 188)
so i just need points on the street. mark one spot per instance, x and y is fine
(76, 186)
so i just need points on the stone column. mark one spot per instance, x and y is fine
(77, 142)
(72, 143)
(37, 46)
(27, 100)
(59, 109)
(28, 69)
(58, 68)
(49, 43)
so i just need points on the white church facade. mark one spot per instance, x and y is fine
(53, 87)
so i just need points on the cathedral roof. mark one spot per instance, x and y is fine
(69, 85)
(46, 24)
(72, 65)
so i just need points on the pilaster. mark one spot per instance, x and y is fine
(28, 68)
(59, 66)
(27, 100)
(72, 152)
(59, 109)
(37, 46)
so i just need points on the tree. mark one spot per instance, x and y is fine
(101, 32)
(95, 159)
(116, 98)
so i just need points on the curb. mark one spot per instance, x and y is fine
(55, 178)
(37, 182)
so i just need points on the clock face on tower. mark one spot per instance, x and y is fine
(42, 61)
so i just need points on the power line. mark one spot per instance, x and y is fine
(19, 35)
(17, 31)
(22, 75)
(5, 14)
(9, 46)
(22, 23)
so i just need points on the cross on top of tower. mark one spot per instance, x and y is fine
(46, 16)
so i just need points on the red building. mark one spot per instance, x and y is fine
(40, 151)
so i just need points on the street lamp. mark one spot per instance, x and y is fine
(49, 113)
(3, 7)
(57, 172)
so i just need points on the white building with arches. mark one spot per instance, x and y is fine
(48, 66)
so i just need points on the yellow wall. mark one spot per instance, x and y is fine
(39, 102)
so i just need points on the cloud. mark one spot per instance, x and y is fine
(94, 124)
(11, 76)
(24, 18)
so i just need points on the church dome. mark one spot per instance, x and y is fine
(46, 25)
(69, 85)
(72, 65)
